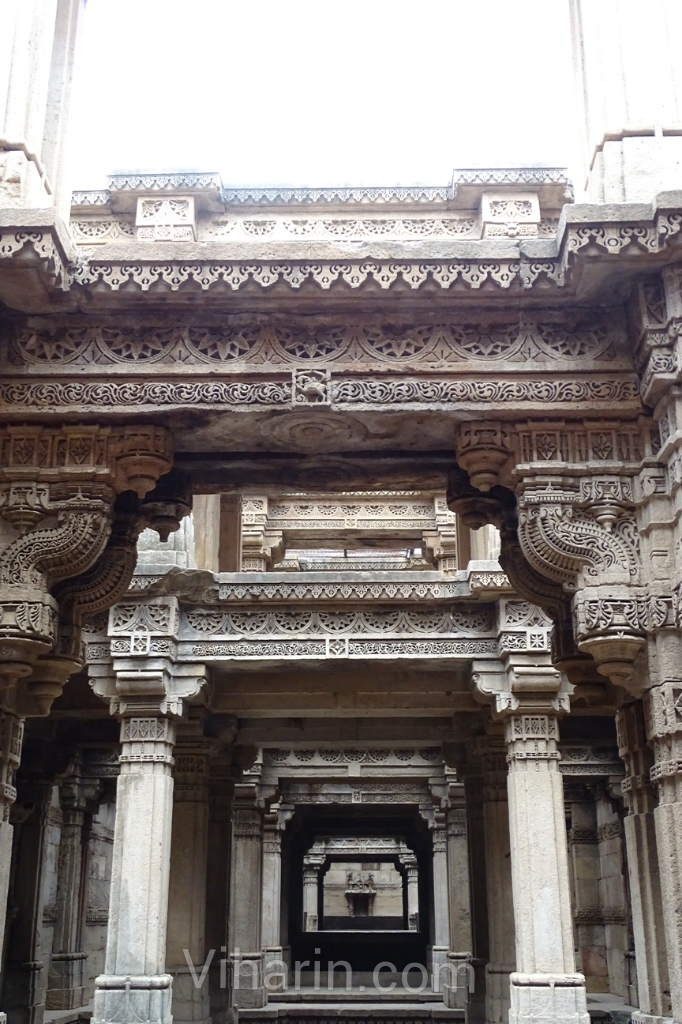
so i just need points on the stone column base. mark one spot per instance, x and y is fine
(460, 981)
(65, 991)
(141, 998)
(497, 992)
(638, 1017)
(548, 998)
(248, 991)
(439, 960)
(24, 987)
(274, 969)
(191, 1004)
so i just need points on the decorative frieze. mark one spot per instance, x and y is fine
(300, 757)
(343, 648)
(237, 341)
(382, 622)
(365, 792)
(601, 391)
(590, 761)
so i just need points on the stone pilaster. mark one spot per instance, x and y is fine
(645, 886)
(583, 855)
(11, 738)
(78, 797)
(24, 981)
(187, 883)
(473, 786)
(441, 899)
(490, 751)
(545, 985)
(612, 890)
(460, 953)
(246, 893)
(663, 708)
(221, 789)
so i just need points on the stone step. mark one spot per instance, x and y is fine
(352, 1012)
(359, 993)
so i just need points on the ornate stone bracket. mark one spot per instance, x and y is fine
(57, 489)
(571, 535)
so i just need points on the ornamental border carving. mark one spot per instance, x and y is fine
(387, 394)
(343, 648)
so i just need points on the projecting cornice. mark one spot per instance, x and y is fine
(403, 254)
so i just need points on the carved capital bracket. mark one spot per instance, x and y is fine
(57, 492)
(532, 742)
(570, 536)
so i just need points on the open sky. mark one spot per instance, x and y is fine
(314, 92)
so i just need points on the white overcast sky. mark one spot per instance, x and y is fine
(310, 92)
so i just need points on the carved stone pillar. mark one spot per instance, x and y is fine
(136, 984)
(645, 885)
(274, 824)
(441, 900)
(545, 985)
(246, 894)
(490, 751)
(458, 878)
(147, 693)
(78, 798)
(187, 883)
(409, 861)
(311, 889)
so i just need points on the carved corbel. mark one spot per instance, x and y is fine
(482, 451)
(57, 489)
(79, 598)
(581, 534)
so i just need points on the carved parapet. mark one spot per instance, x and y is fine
(57, 491)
